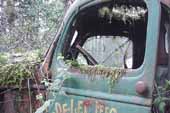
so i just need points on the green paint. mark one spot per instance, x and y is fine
(123, 97)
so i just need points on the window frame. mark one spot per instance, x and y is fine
(147, 70)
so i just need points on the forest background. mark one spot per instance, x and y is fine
(28, 26)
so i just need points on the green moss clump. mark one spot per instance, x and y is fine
(17, 69)
(14, 74)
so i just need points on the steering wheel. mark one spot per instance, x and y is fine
(89, 57)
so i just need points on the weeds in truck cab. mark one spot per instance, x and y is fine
(123, 12)
(73, 63)
(111, 74)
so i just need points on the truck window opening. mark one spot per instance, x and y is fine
(106, 37)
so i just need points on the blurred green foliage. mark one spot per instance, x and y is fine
(29, 24)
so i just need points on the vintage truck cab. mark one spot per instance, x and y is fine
(110, 56)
